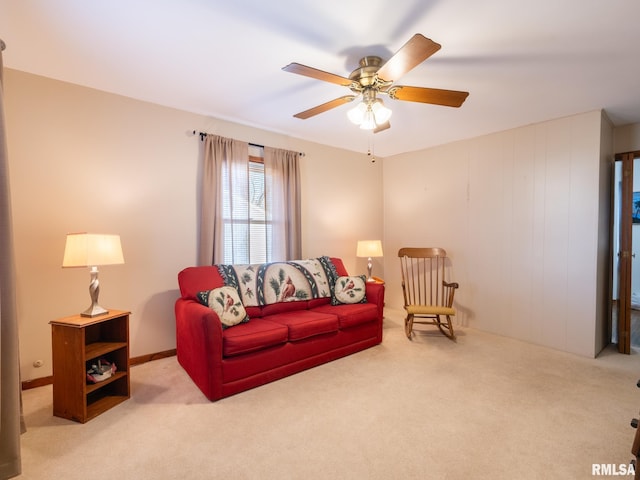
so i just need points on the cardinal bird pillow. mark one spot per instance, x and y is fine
(349, 290)
(225, 301)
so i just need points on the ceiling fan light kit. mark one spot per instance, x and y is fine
(373, 78)
(370, 113)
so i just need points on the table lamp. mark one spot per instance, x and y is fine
(369, 248)
(92, 250)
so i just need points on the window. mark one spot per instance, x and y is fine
(247, 232)
(250, 203)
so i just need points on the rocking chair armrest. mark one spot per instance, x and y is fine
(449, 292)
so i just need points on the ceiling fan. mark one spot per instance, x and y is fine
(373, 77)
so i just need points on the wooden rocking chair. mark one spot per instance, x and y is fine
(427, 296)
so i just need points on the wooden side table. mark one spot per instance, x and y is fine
(77, 342)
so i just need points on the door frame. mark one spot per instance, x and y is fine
(626, 254)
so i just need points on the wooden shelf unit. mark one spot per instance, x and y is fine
(76, 342)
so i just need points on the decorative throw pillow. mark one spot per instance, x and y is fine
(225, 301)
(349, 289)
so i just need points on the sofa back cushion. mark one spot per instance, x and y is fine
(340, 270)
(192, 280)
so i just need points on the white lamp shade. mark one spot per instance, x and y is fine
(382, 113)
(369, 248)
(356, 114)
(92, 249)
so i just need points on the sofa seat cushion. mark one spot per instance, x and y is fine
(255, 335)
(304, 323)
(351, 315)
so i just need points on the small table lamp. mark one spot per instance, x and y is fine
(91, 250)
(369, 248)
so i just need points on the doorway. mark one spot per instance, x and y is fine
(625, 329)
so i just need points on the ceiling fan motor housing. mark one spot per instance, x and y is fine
(365, 75)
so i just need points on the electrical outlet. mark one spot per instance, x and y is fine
(38, 363)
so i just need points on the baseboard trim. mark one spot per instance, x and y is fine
(151, 357)
(37, 382)
(42, 381)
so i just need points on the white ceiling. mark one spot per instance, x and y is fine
(522, 62)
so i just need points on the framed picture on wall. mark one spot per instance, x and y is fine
(636, 207)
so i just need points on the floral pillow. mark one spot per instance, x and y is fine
(350, 289)
(225, 301)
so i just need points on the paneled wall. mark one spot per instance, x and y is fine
(519, 213)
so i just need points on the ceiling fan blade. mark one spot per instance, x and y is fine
(436, 96)
(317, 74)
(324, 107)
(415, 51)
(382, 127)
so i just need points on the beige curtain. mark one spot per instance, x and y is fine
(225, 160)
(282, 197)
(11, 421)
(224, 206)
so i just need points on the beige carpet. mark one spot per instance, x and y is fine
(486, 407)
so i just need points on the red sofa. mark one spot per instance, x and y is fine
(280, 338)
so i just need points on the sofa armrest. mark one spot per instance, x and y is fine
(199, 344)
(375, 294)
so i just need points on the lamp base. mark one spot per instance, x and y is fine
(369, 268)
(94, 311)
(94, 290)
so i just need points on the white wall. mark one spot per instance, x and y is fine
(605, 236)
(518, 212)
(85, 160)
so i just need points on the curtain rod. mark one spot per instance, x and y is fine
(204, 134)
